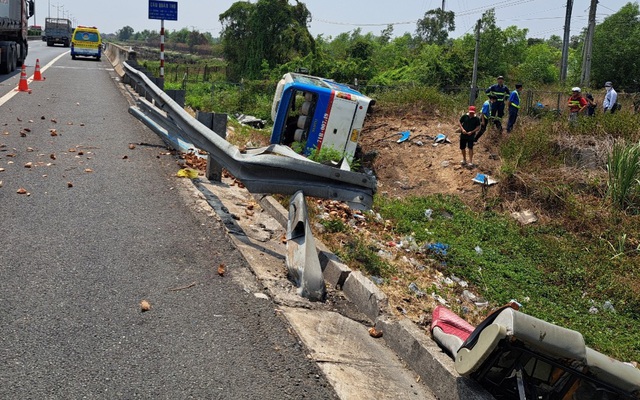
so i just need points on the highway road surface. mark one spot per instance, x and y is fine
(92, 222)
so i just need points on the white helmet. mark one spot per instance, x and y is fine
(576, 89)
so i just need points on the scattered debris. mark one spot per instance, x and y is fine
(52, 156)
(416, 290)
(374, 333)
(28, 165)
(525, 217)
(53, 132)
(484, 180)
(187, 173)
(251, 121)
(404, 136)
(22, 191)
(88, 170)
(132, 146)
(221, 269)
(145, 306)
(441, 138)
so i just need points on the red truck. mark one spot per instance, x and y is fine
(14, 15)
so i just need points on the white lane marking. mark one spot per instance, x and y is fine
(13, 92)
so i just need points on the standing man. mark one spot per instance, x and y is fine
(502, 93)
(514, 106)
(469, 125)
(576, 104)
(485, 115)
(610, 102)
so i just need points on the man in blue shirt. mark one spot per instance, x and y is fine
(610, 99)
(514, 106)
(502, 94)
(485, 114)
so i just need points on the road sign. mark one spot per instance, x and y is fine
(165, 10)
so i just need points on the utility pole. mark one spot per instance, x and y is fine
(585, 78)
(565, 42)
(443, 1)
(474, 78)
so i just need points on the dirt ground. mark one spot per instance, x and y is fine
(418, 166)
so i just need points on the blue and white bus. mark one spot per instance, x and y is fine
(318, 113)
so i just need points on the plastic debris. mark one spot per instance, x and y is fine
(593, 310)
(377, 280)
(609, 307)
(428, 213)
(467, 295)
(250, 120)
(448, 281)
(404, 136)
(525, 217)
(478, 250)
(437, 248)
(187, 173)
(416, 290)
(441, 138)
(484, 180)
(419, 143)
(439, 299)
(444, 164)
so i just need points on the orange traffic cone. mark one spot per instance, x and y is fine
(38, 76)
(23, 86)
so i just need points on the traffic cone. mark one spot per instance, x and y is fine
(37, 76)
(24, 85)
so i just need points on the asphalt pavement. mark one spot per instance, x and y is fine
(103, 225)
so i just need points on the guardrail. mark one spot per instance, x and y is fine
(275, 169)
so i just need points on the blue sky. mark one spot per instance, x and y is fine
(332, 17)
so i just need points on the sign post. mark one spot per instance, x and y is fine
(163, 10)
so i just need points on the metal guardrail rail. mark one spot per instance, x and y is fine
(275, 169)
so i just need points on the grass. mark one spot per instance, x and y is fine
(554, 274)
(623, 166)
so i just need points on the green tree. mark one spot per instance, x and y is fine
(434, 28)
(615, 49)
(125, 33)
(268, 30)
(541, 63)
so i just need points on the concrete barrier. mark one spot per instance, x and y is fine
(118, 55)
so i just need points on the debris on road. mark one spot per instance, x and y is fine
(132, 146)
(22, 191)
(374, 333)
(69, 184)
(28, 165)
(53, 132)
(221, 269)
(187, 173)
(88, 170)
(145, 306)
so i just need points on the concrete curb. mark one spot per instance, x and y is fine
(418, 350)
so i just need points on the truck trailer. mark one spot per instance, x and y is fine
(58, 31)
(14, 15)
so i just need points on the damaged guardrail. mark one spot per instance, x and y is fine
(275, 169)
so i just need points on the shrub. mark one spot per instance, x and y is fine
(623, 166)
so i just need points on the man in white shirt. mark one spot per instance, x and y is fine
(610, 102)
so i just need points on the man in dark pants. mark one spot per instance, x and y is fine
(502, 94)
(485, 116)
(469, 125)
(514, 107)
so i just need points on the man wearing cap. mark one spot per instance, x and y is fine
(469, 125)
(514, 106)
(610, 102)
(576, 104)
(502, 94)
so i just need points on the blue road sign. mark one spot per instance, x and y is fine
(167, 10)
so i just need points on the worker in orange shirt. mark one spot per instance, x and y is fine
(576, 104)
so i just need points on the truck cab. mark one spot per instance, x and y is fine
(318, 113)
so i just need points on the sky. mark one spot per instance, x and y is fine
(542, 18)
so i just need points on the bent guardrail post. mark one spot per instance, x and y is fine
(302, 259)
(272, 169)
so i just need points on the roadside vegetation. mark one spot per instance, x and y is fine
(578, 266)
